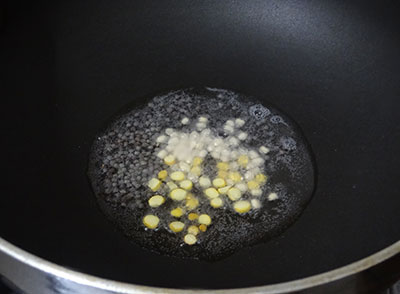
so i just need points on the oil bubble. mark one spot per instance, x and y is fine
(259, 112)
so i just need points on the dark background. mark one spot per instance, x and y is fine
(67, 66)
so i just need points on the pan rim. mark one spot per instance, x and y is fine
(112, 286)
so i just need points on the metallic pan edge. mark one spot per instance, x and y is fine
(16, 263)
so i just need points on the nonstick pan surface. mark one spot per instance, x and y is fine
(68, 66)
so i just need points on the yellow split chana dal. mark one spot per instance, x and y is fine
(151, 221)
(156, 201)
(177, 212)
(242, 206)
(176, 226)
(178, 194)
(204, 219)
(190, 239)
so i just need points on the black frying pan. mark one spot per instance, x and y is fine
(68, 66)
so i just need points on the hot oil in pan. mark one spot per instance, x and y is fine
(263, 167)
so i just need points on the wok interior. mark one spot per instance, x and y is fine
(70, 66)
